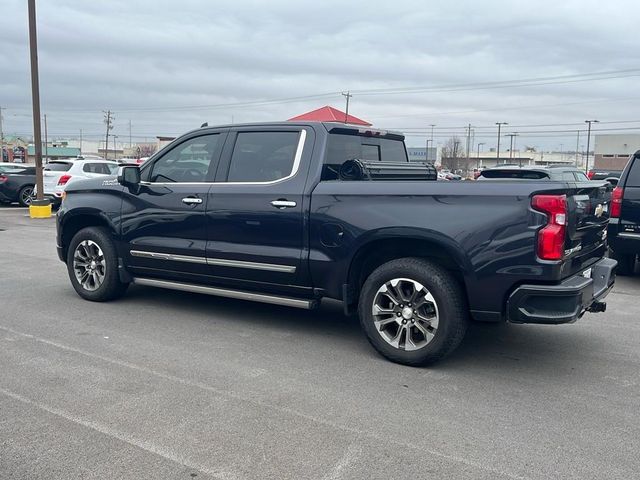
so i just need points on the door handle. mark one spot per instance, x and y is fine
(281, 203)
(192, 200)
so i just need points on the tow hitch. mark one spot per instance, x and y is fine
(597, 307)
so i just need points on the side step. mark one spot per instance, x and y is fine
(223, 292)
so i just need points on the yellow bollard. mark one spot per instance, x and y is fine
(40, 209)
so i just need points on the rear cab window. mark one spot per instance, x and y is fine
(262, 157)
(100, 168)
(341, 148)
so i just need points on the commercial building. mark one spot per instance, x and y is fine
(420, 154)
(612, 151)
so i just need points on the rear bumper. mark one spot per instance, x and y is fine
(564, 302)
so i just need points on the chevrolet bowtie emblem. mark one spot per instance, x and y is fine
(599, 210)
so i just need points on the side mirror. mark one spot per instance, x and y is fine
(129, 175)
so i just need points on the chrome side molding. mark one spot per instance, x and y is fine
(221, 262)
(223, 292)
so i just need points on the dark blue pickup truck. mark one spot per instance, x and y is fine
(290, 213)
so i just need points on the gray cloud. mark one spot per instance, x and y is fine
(133, 57)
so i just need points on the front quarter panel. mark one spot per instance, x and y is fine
(89, 202)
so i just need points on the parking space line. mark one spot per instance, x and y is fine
(110, 432)
(284, 410)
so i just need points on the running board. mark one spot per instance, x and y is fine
(223, 292)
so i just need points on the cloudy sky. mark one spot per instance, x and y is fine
(543, 66)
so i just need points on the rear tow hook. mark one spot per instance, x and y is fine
(597, 307)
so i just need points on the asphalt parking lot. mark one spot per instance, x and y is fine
(166, 384)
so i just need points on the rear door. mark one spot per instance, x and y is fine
(255, 208)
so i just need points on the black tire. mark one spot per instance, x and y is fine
(626, 263)
(111, 287)
(25, 195)
(449, 299)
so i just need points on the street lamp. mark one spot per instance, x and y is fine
(586, 165)
(426, 153)
(498, 148)
(512, 135)
(478, 157)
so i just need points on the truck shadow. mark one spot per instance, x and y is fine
(501, 348)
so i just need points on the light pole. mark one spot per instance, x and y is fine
(39, 207)
(478, 157)
(115, 155)
(586, 163)
(426, 153)
(498, 148)
(512, 136)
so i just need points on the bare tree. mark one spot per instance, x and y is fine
(453, 154)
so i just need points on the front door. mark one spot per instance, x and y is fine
(256, 205)
(164, 221)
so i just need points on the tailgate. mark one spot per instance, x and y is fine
(588, 216)
(50, 180)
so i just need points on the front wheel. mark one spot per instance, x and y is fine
(92, 264)
(413, 311)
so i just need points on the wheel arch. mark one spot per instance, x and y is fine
(386, 245)
(74, 222)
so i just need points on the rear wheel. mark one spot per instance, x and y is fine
(92, 264)
(626, 263)
(413, 311)
(25, 195)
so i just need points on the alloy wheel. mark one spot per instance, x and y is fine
(405, 314)
(89, 265)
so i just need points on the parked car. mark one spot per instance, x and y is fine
(555, 173)
(17, 182)
(624, 226)
(601, 174)
(59, 174)
(282, 213)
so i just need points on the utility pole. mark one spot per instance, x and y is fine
(478, 157)
(468, 143)
(35, 100)
(498, 148)
(562, 152)
(108, 120)
(577, 147)
(130, 134)
(80, 141)
(512, 136)
(346, 113)
(433, 125)
(2, 139)
(46, 140)
(426, 153)
(586, 163)
(115, 155)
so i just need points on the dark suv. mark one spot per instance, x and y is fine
(624, 224)
(16, 183)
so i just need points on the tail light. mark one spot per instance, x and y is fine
(616, 202)
(590, 174)
(551, 237)
(64, 179)
(3, 178)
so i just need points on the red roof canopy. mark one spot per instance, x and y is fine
(329, 114)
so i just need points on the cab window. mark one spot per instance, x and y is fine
(190, 161)
(263, 156)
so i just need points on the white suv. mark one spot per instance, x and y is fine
(60, 173)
